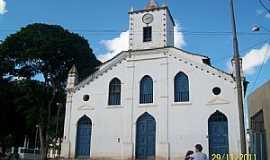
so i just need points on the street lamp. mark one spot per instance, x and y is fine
(256, 28)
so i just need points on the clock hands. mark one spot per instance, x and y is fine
(147, 18)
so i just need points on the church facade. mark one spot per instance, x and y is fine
(153, 101)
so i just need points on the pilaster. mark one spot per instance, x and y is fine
(163, 144)
(65, 147)
(128, 146)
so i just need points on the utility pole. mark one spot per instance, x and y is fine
(237, 64)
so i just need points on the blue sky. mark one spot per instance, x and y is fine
(205, 26)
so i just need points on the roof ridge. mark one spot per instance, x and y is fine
(102, 69)
(205, 66)
(122, 55)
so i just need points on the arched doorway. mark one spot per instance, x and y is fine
(146, 137)
(83, 142)
(218, 134)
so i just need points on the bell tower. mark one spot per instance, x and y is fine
(151, 27)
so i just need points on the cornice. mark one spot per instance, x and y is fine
(154, 9)
(104, 68)
(166, 52)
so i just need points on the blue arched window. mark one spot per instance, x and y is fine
(181, 88)
(115, 92)
(146, 90)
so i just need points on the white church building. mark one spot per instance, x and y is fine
(153, 101)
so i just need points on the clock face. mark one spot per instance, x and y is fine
(148, 18)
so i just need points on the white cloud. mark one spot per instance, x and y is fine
(259, 12)
(255, 58)
(3, 9)
(121, 43)
(115, 46)
(267, 15)
(179, 41)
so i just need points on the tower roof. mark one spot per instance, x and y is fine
(151, 4)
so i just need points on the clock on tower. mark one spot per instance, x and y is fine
(152, 27)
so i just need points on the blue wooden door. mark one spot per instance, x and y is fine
(146, 137)
(84, 130)
(218, 134)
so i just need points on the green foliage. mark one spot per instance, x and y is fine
(46, 51)
(11, 121)
(32, 101)
(6, 65)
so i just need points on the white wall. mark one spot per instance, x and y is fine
(179, 125)
(188, 122)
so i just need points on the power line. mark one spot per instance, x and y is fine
(254, 45)
(187, 32)
(264, 6)
(242, 50)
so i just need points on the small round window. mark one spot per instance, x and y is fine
(86, 97)
(216, 91)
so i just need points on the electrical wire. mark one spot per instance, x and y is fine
(264, 6)
(186, 32)
(242, 51)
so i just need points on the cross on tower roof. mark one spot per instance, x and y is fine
(152, 4)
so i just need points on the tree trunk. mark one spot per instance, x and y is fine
(43, 129)
(44, 135)
(43, 154)
(47, 126)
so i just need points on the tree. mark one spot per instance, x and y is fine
(32, 101)
(6, 66)
(47, 52)
(11, 121)
(44, 49)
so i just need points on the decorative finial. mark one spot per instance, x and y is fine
(152, 4)
(131, 9)
(165, 3)
(73, 70)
